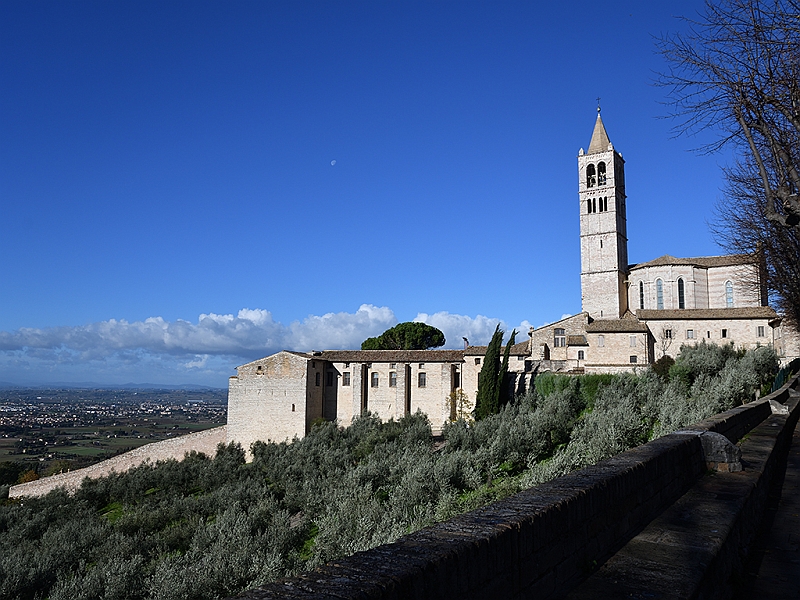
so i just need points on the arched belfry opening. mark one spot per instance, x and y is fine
(601, 173)
(591, 176)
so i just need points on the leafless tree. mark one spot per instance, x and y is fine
(737, 70)
(664, 340)
(742, 227)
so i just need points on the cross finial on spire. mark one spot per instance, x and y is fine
(598, 105)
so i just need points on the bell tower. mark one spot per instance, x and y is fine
(604, 241)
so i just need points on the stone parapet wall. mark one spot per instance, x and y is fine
(176, 448)
(694, 547)
(539, 543)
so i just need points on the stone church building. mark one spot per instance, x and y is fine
(632, 314)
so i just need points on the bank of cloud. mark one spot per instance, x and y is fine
(204, 352)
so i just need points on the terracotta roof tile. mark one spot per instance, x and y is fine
(700, 261)
(616, 326)
(577, 340)
(516, 350)
(391, 355)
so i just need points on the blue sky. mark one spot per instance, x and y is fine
(171, 207)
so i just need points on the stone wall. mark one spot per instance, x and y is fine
(693, 548)
(742, 333)
(541, 542)
(267, 399)
(203, 441)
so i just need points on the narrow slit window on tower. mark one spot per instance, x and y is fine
(659, 294)
(601, 173)
(605, 203)
(641, 295)
(681, 297)
(591, 178)
(729, 294)
(594, 205)
(601, 243)
(589, 206)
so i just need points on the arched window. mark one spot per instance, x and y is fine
(594, 205)
(591, 178)
(659, 294)
(729, 294)
(589, 206)
(681, 297)
(601, 173)
(641, 295)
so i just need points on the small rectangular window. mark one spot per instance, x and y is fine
(346, 365)
(392, 365)
(374, 379)
(580, 354)
(421, 365)
(317, 378)
(668, 334)
(634, 359)
(392, 379)
(422, 381)
(632, 341)
(601, 341)
(724, 333)
(346, 378)
(477, 361)
(690, 334)
(760, 331)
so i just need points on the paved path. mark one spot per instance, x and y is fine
(774, 572)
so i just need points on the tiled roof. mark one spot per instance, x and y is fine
(616, 326)
(577, 340)
(700, 261)
(516, 350)
(748, 312)
(391, 355)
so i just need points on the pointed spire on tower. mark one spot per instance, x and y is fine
(600, 139)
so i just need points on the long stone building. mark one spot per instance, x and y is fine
(632, 314)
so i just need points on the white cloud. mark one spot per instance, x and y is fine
(207, 351)
(252, 332)
(477, 330)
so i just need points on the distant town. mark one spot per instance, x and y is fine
(52, 430)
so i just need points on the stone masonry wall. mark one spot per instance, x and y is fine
(742, 333)
(267, 399)
(203, 441)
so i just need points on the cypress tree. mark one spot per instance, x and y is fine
(486, 400)
(502, 376)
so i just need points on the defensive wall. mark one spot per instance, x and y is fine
(202, 441)
(672, 518)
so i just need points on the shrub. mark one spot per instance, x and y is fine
(662, 366)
